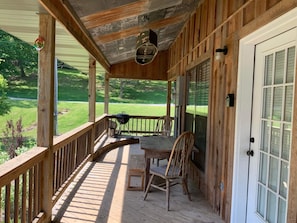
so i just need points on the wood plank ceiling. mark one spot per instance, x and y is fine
(111, 25)
(114, 25)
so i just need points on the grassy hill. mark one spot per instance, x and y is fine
(73, 86)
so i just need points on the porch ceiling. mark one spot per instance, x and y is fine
(108, 28)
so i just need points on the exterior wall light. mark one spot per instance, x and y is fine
(220, 53)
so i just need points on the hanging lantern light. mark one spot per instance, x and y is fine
(146, 47)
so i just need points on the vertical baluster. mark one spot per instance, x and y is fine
(39, 167)
(58, 157)
(16, 199)
(24, 198)
(62, 161)
(7, 203)
(36, 188)
(54, 172)
(30, 197)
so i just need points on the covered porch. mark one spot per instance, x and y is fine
(89, 183)
(98, 194)
(53, 173)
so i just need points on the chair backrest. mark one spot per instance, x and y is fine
(179, 157)
(163, 126)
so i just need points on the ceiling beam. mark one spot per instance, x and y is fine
(115, 14)
(63, 13)
(134, 31)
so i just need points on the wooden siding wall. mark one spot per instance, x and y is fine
(156, 70)
(216, 23)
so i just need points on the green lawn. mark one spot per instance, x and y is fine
(136, 98)
(72, 114)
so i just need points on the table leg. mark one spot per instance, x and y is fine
(147, 171)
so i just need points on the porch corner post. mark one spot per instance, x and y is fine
(92, 98)
(45, 110)
(168, 108)
(106, 93)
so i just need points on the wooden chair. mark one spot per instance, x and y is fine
(163, 127)
(176, 169)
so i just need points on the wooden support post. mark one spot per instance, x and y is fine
(92, 98)
(106, 93)
(46, 65)
(168, 108)
(92, 89)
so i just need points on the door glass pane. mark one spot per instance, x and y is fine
(263, 168)
(275, 139)
(286, 141)
(279, 67)
(277, 103)
(290, 65)
(268, 70)
(282, 211)
(283, 184)
(271, 207)
(273, 174)
(267, 103)
(265, 136)
(261, 200)
(288, 103)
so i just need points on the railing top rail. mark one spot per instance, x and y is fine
(13, 168)
(137, 116)
(101, 117)
(71, 135)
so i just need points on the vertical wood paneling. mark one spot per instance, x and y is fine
(214, 24)
(249, 13)
(260, 7)
(191, 37)
(203, 21)
(271, 3)
(219, 12)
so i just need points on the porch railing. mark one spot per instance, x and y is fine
(22, 179)
(137, 125)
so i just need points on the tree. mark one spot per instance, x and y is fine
(4, 103)
(16, 56)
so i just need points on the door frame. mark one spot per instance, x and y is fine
(244, 108)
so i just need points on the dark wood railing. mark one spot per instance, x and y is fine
(137, 125)
(22, 179)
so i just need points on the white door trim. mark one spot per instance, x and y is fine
(244, 108)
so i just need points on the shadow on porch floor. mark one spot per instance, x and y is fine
(98, 194)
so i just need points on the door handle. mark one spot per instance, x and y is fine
(250, 153)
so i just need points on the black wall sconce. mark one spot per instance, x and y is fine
(221, 52)
(230, 100)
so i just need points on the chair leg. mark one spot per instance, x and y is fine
(148, 186)
(167, 193)
(185, 188)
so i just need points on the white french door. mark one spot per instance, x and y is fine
(271, 129)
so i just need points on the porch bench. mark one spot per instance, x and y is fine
(136, 165)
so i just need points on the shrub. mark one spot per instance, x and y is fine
(4, 103)
(12, 137)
